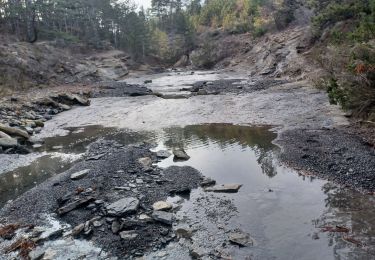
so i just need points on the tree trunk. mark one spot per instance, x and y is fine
(31, 32)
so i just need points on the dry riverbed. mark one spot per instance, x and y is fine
(228, 191)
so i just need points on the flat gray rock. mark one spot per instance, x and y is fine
(163, 154)
(79, 175)
(241, 239)
(128, 235)
(228, 188)
(123, 207)
(163, 217)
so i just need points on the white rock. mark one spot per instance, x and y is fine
(79, 175)
(162, 205)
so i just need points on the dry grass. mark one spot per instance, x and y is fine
(23, 245)
(9, 230)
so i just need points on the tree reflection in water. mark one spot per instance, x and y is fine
(349, 209)
(259, 139)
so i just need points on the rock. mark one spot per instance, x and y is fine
(228, 188)
(121, 188)
(198, 252)
(14, 131)
(74, 205)
(4, 135)
(79, 175)
(29, 130)
(39, 123)
(37, 130)
(162, 205)
(37, 254)
(208, 182)
(180, 154)
(49, 254)
(8, 142)
(241, 239)
(202, 92)
(146, 162)
(128, 235)
(183, 232)
(172, 96)
(77, 230)
(145, 217)
(75, 99)
(123, 207)
(148, 81)
(87, 230)
(115, 227)
(29, 116)
(163, 154)
(163, 217)
(82, 101)
(96, 157)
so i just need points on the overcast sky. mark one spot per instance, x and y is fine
(146, 3)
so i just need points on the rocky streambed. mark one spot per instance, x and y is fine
(166, 177)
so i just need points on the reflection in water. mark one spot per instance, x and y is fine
(16, 182)
(349, 209)
(280, 220)
(259, 139)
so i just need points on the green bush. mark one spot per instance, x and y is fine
(336, 94)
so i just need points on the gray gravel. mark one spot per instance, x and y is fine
(333, 154)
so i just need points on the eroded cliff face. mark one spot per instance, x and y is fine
(24, 65)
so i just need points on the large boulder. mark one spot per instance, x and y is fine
(14, 131)
(8, 142)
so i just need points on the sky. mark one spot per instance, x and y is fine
(146, 3)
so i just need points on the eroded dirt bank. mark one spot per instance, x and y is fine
(206, 225)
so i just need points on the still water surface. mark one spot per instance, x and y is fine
(284, 212)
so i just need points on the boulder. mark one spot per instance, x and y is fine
(79, 175)
(8, 142)
(4, 135)
(228, 188)
(162, 205)
(14, 131)
(123, 207)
